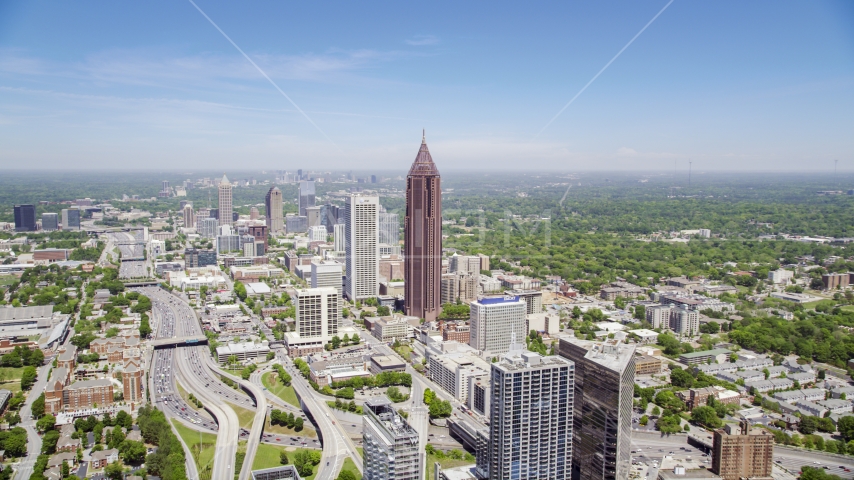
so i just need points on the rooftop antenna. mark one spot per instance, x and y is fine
(689, 172)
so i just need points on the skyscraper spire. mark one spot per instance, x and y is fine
(423, 237)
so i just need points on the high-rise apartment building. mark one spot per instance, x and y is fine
(684, 321)
(389, 228)
(327, 273)
(306, 196)
(318, 311)
(189, 216)
(25, 218)
(493, 320)
(530, 427)
(739, 452)
(390, 444)
(208, 227)
(312, 215)
(274, 214)
(226, 207)
(361, 246)
(423, 237)
(602, 418)
(339, 237)
(71, 219)
(50, 222)
(132, 382)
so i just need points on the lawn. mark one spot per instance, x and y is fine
(244, 416)
(191, 438)
(186, 397)
(10, 379)
(280, 430)
(350, 465)
(268, 456)
(404, 351)
(444, 463)
(6, 280)
(285, 393)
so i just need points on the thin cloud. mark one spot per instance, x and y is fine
(423, 40)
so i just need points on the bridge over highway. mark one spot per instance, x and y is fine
(192, 341)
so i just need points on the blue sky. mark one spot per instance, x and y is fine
(731, 85)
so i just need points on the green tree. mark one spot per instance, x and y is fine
(706, 416)
(28, 377)
(113, 471)
(346, 475)
(845, 425)
(38, 406)
(46, 423)
(681, 378)
(283, 458)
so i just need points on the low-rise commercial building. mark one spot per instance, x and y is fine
(718, 355)
(243, 351)
(386, 363)
(647, 365)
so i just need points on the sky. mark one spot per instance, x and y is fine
(726, 85)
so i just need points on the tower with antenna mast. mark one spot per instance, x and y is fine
(689, 172)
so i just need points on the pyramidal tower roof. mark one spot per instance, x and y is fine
(423, 164)
(224, 179)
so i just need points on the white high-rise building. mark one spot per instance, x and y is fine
(684, 321)
(317, 234)
(189, 216)
(390, 443)
(493, 320)
(530, 417)
(318, 311)
(226, 207)
(339, 237)
(361, 245)
(327, 273)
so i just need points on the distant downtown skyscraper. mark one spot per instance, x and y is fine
(306, 196)
(71, 219)
(423, 237)
(389, 228)
(361, 244)
(25, 218)
(50, 222)
(531, 417)
(226, 207)
(602, 419)
(275, 217)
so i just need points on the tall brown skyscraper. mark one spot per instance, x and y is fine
(423, 237)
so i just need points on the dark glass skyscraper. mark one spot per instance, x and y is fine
(602, 418)
(423, 237)
(25, 218)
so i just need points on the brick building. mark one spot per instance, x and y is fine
(742, 454)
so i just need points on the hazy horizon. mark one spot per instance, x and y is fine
(732, 86)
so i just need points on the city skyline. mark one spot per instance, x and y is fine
(736, 91)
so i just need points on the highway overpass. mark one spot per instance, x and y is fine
(192, 341)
